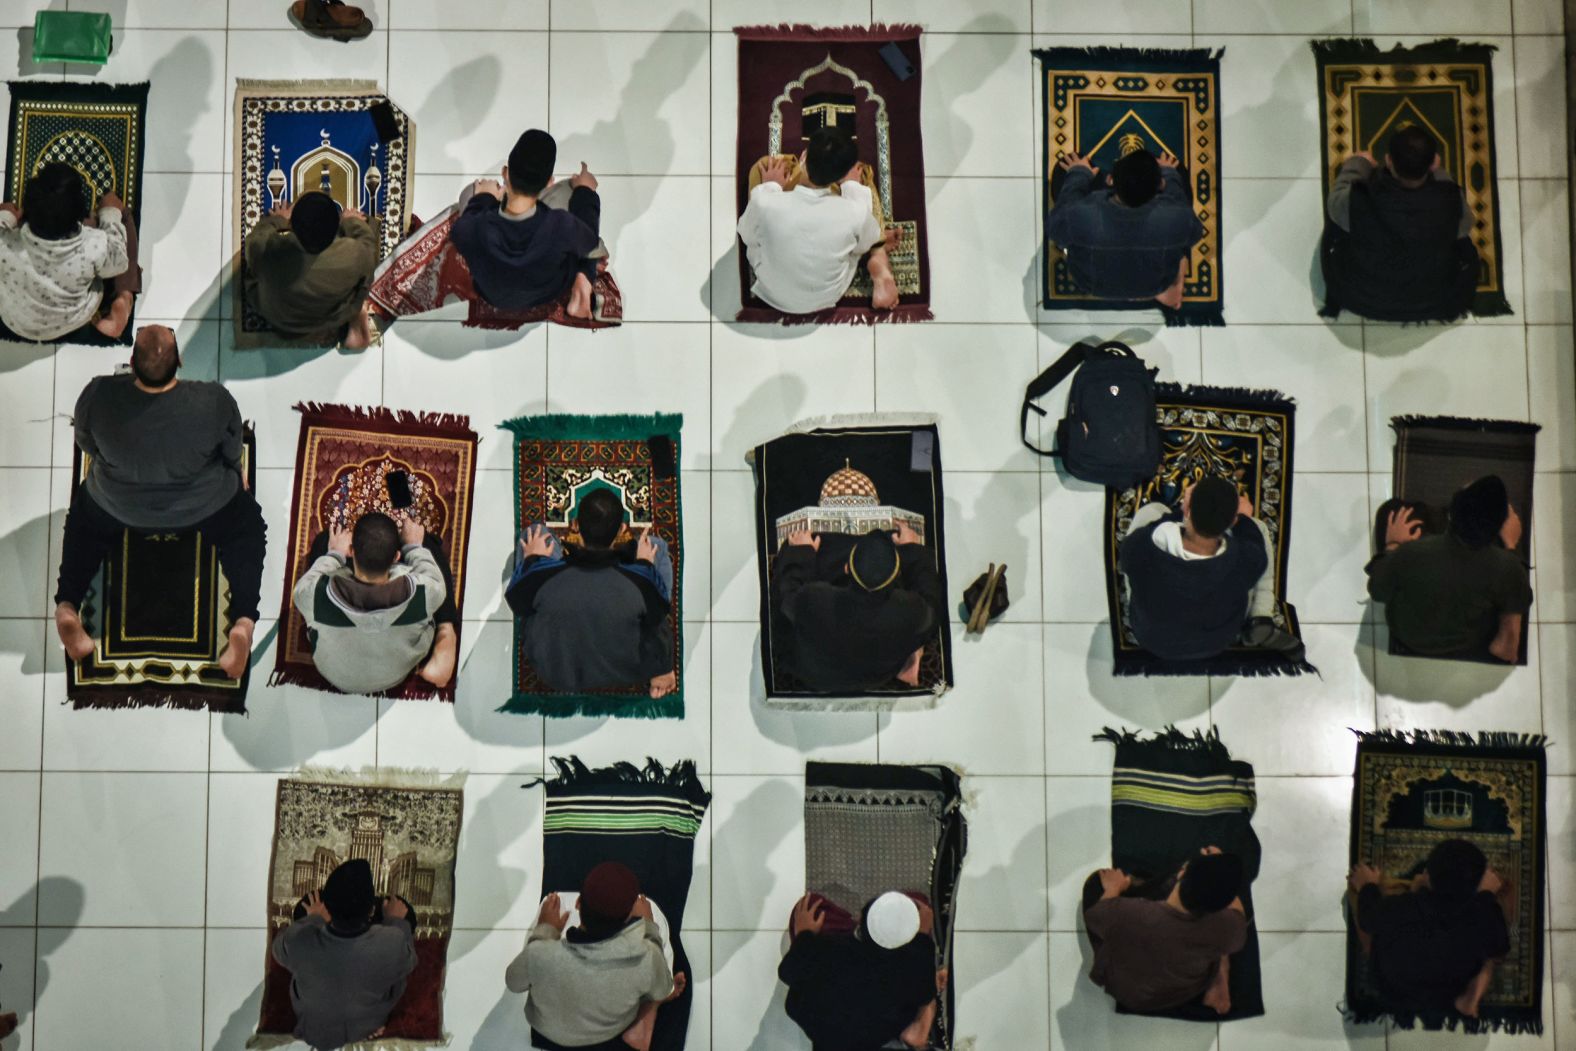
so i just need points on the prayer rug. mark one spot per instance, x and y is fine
(870, 828)
(1106, 102)
(1246, 436)
(1413, 790)
(1171, 796)
(424, 271)
(294, 137)
(645, 817)
(158, 612)
(843, 476)
(406, 825)
(557, 460)
(343, 459)
(95, 128)
(796, 80)
(1436, 455)
(1366, 94)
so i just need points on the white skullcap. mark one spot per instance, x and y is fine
(892, 920)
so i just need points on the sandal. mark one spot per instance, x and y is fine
(331, 19)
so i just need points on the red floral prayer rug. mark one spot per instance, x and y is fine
(343, 460)
(407, 827)
(426, 270)
(795, 80)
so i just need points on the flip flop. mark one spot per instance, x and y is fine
(330, 20)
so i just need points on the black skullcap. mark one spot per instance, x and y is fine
(1479, 510)
(349, 894)
(532, 159)
(873, 562)
(1210, 883)
(314, 218)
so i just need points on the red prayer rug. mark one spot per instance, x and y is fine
(425, 271)
(407, 827)
(343, 459)
(795, 80)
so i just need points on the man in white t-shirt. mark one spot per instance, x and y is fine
(809, 221)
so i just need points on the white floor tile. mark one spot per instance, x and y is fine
(628, 101)
(23, 674)
(996, 975)
(187, 95)
(1554, 547)
(1152, 16)
(926, 368)
(1538, 16)
(246, 15)
(1078, 832)
(1004, 874)
(735, 585)
(1072, 517)
(153, 13)
(744, 977)
(1540, 105)
(491, 85)
(986, 722)
(233, 986)
(19, 817)
(25, 398)
(162, 739)
(1300, 877)
(1271, 229)
(649, 224)
(26, 525)
(1556, 645)
(636, 369)
(1083, 1017)
(122, 850)
(1551, 383)
(266, 382)
(978, 104)
(1316, 18)
(484, 16)
(500, 859)
(1329, 547)
(179, 245)
(477, 1009)
(1266, 108)
(984, 240)
(1431, 16)
(241, 811)
(1426, 694)
(1304, 977)
(994, 518)
(1543, 211)
(1562, 854)
(757, 851)
(671, 15)
(941, 16)
(1319, 366)
(16, 981)
(155, 1002)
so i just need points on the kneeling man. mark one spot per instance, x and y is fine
(309, 266)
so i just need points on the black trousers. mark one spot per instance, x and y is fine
(447, 612)
(237, 529)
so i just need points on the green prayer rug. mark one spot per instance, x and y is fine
(1447, 87)
(1107, 102)
(1414, 790)
(95, 128)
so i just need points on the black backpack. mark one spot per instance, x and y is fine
(1109, 435)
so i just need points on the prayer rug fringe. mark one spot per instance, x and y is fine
(1364, 49)
(379, 777)
(859, 703)
(1245, 397)
(1465, 423)
(571, 771)
(1170, 739)
(264, 1041)
(184, 699)
(1452, 1022)
(592, 705)
(811, 424)
(838, 316)
(800, 31)
(308, 87)
(1224, 664)
(448, 422)
(1122, 58)
(1454, 738)
(413, 688)
(88, 91)
(568, 426)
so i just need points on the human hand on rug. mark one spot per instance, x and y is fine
(1167, 159)
(646, 547)
(1363, 875)
(1364, 155)
(809, 916)
(664, 684)
(1069, 161)
(13, 211)
(553, 913)
(641, 908)
(538, 541)
(1510, 532)
(395, 908)
(1114, 883)
(1210, 850)
(1492, 882)
(904, 534)
(680, 982)
(352, 213)
(411, 531)
(1218, 995)
(282, 209)
(583, 178)
(1244, 506)
(777, 170)
(802, 537)
(490, 186)
(1402, 526)
(315, 906)
(338, 539)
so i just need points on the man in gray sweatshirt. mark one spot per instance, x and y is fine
(589, 984)
(376, 602)
(347, 962)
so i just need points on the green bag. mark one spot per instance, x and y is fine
(71, 36)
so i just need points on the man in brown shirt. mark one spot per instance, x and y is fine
(1153, 954)
(309, 266)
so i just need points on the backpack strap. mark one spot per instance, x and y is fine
(1046, 382)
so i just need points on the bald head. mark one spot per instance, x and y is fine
(155, 356)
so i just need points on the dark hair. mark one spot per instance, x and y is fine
(1412, 151)
(55, 201)
(375, 541)
(1213, 506)
(829, 156)
(155, 356)
(314, 219)
(874, 561)
(601, 516)
(1478, 511)
(531, 162)
(1211, 882)
(1455, 868)
(1136, 178)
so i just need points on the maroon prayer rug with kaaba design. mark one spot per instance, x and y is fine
(795, 80)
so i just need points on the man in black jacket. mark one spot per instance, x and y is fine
(1433, 947)
(596, 612)
(1197, 578)
(859, 613)
(1398, 243)
(529, 239)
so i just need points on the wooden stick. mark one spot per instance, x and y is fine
(980, 615)
(972, 626)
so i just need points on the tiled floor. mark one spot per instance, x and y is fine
(133, 845)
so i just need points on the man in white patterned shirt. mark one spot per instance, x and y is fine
(61, 269)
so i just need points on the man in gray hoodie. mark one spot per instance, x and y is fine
(376, 602)
(589, 984)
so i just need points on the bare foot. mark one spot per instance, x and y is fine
(1218, 996)
(360, 334)
(1468, 1002)
(1171, 297)
(112, 324)
(236, 655)
(73, 636)
(664, 684)
(580, 298)
(439, 668)
(1502, 649)
(884, 295)
(910, 672)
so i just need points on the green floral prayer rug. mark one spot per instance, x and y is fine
(95, 128)
(558, 459)
(1447, 87)
(1411, 792)
(1243, 435)
(1106, 102)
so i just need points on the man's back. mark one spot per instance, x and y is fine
(1443, 597)
(343, 988)
(583, 991)
(159, 461)
(804, 244)
(522, 261)
(50, 287)
(1426, 949)
(849, 995)
(370, 636)
(1189, 608)
(1151, 957)
(299, 291)
(1118, 252)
